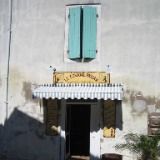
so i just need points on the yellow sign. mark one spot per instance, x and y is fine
(81, 77)
(109, 132)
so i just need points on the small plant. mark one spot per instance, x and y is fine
(146, 147)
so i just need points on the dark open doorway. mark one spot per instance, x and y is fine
(78, 130)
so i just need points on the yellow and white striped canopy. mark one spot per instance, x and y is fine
(79, 91)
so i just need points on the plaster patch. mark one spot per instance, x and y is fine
(141, 103)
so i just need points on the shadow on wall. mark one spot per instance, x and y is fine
(23, 137)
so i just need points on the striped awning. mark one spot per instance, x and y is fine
(78, 91)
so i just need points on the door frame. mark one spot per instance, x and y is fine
(94, 114)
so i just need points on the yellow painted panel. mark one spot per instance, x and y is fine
(81, 77)
(109, 132)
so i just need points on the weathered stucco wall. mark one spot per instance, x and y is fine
(130, 38)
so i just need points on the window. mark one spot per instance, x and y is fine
(82, 32)
(51, 117)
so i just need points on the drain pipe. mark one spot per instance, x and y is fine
(9, 53)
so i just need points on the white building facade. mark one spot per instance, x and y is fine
(35, 35)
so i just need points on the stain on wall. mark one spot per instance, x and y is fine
(16, 76)
(141, 103)
(27, 92)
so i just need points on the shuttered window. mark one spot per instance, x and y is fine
(109, 118)
(89, 32)
(82, 33)
(51, 116)
(74, 32)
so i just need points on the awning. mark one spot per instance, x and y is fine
(78, 91)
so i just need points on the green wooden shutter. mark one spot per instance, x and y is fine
(89, 32)
(74, 33)
(51, 116)
(109, 118)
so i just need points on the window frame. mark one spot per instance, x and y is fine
(98, 36)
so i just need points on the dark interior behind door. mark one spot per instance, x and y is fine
(79, 129)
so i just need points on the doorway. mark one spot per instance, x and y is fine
(78, 131)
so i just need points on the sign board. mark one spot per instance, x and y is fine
(81, 77)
